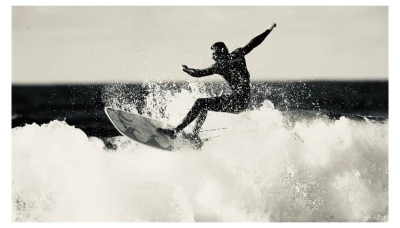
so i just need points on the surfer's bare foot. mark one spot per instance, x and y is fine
(168, 132)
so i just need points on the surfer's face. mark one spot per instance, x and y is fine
(214, 55)
(218, 54)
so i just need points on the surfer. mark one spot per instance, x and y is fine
(232, 67)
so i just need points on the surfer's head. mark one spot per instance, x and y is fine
(219, 51)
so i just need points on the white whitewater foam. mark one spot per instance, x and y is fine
(260, 169)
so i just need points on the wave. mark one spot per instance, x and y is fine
(268, 165)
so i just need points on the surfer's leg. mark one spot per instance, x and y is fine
(200, 121)
(198, 107)
(198, 110)
(224, 103)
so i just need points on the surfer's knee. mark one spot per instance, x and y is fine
(201, 102)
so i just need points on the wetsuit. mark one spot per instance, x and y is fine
(235, 72)
(232, 67)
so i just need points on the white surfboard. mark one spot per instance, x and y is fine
(144, 130)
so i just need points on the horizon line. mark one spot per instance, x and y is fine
(183, 81)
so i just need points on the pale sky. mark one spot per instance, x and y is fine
(128, 44)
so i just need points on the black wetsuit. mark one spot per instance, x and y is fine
(234, 71)
(232, 67)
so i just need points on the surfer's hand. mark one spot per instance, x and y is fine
(273, 26)
(184, 67)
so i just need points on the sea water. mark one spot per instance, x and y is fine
(268, 165)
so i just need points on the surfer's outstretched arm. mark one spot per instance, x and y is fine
(199, 72)
(257, 40)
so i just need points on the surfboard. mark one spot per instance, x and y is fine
(144, 130)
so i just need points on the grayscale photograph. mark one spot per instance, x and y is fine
(199, 114)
